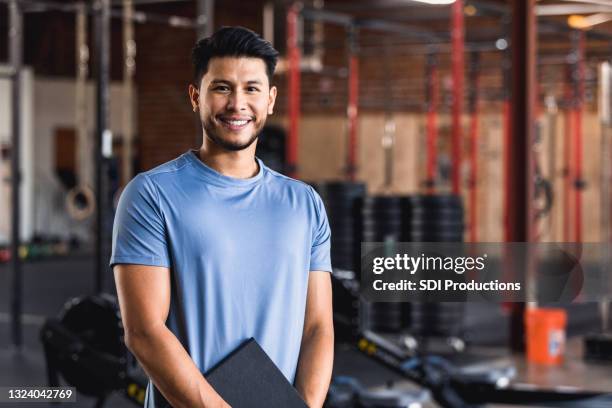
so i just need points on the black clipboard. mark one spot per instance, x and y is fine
(247, 378)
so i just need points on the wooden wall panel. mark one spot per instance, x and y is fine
(323, 148)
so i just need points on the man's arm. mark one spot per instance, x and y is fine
(317, 350)
(144, 299)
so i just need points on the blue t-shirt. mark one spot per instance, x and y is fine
(239, 253)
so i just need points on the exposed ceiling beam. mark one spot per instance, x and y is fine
(598, 2)
(567, 9)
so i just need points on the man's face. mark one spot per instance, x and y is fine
(234, 101)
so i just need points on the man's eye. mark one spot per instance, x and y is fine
(252, 89)
(221, 88)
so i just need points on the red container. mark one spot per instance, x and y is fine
(545, 331)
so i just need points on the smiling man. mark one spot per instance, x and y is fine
(213, 248)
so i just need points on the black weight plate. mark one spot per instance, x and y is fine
(434, 213)
(333, 190)
(376, 236)
(344, 240)
(382, 226)
(425, 239)
(436, 230)
(393, 216)
(344, 221)
(381, 206)
(450, 228)
(341, 187)
(343, 263)
(343, 257)
(431, 232)
(434, 234)
(344, 231)
(381, 237)
(442, 223)
(382, 200)
(96, 321)
(435, 200)
(376, 215)
(342, 212)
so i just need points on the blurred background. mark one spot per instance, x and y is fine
(415, 120)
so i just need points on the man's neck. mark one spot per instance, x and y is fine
(241, 164)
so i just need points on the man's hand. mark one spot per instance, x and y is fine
(144, 299)
(317, 350)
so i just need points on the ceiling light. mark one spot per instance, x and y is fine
(584, 23)
(470, 10)
(501, 44)
(577, 21)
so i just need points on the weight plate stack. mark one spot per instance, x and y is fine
(443, 319)
(382, 218)
(382, 222)
(385, 317)
(342, 206)
(434, 218)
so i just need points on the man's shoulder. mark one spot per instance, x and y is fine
(291, 183)
(146, 184)
(169, 168)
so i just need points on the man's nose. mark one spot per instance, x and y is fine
(237, 101)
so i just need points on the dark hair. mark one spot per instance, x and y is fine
(232, 42)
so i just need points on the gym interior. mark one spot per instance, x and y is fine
(438, 121)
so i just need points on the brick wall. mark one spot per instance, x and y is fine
(392, 76)
(167, 126)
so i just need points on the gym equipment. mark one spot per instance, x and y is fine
(85, 346)
(352, 109)
(80, 200)
(435, 218)
(382, 219)
(129, 69)
(382, 222)
(598, 346)
(433, 102)
(474, 74)
(470, 381)
(348, 392)
(342, 205)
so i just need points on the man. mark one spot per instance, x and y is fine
(213, 247)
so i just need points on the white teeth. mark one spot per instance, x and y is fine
(237, 122)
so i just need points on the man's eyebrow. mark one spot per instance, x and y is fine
(225, 81)
(220, 81)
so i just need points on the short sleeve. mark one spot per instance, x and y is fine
(139, 232)
(320, 259)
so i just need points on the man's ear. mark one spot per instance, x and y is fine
(194, 97)
(271, 100)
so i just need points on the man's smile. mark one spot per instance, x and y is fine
(234, 122)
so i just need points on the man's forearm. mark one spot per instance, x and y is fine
(315, 365)
(173, 372)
